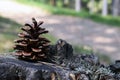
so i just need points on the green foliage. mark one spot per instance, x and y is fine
(50, 37)
(109, 20)
(104, 58)
(82, 49)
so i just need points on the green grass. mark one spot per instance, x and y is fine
(82, 49)
(8, 32)
(109, 20)
(51, 38)
(105, 59)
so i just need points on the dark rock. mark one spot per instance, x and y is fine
(14, 69)
(115, 67)
(60, 51)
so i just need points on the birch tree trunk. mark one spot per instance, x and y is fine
(78, 5)
(105, 8)
(92, 7)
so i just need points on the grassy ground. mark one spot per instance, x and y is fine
(105, 59)
(109, 20)
(8, 32)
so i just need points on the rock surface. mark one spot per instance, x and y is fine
(13, 69)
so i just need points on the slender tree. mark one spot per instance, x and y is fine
(105, 8)
(77, 5)
(92, 7)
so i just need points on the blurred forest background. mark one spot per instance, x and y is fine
(87, 24)
(105, 11)
(103, 7)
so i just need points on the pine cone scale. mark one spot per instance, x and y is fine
(22, 44)
(18, 53)
(26, 53)
(33, 40)
(20, 40)
(27, 30)
(18, 47)
(29, 26)
(41, 32)
(42, 55)
(34, 22)
(23, 35)
(44, 39)
(36, 50)
(40, 23)
(39, 28)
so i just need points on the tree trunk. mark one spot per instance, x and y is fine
(65, 3)
(115, 7)
(92, 7)
(72, 4)
(53, 2)
(77, 5)
(105, 8)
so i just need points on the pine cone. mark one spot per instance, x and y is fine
(31, 45)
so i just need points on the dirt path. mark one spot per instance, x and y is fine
(102, 38)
